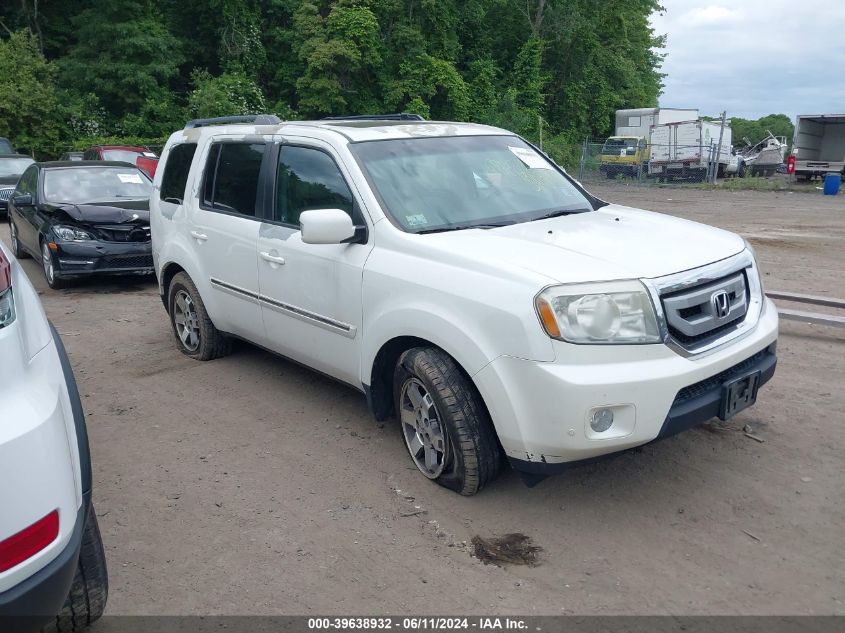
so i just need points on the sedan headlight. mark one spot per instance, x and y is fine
(617, 312)
(72, 234)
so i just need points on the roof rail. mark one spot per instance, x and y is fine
(399, 116)
(256, 119)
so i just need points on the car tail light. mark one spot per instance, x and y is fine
(29, 541)
(7, 303)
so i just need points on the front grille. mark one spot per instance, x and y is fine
(702, 387)
(127, 261)
(123, 232)
(695, 315)
(5, 194)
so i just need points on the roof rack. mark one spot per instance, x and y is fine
(256, 119)
(399, 116)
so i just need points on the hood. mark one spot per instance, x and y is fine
(109, 212)
(614, 242)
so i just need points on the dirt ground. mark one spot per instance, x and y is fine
(250, 485)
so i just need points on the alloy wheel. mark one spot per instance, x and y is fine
(186, 320)
(47, 263)
(422, 428)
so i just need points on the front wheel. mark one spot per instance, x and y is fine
(444, 422)
(48, 266)
(195, 333)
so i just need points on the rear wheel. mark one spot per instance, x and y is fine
(444, 422)
(195, 333)
(90, 589)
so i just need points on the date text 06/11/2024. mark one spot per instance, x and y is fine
(416, 623)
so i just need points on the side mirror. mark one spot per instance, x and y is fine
(22, 200)
(326, 226)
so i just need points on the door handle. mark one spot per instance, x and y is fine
(272, 258)
(200, 236)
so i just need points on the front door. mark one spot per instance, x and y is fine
(311, 293)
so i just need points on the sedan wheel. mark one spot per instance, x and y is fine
(49, 270)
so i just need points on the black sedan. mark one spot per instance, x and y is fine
(83, 218)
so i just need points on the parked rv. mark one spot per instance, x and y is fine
(819, 145)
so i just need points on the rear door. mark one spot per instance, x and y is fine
(311, 293)
(223, 231)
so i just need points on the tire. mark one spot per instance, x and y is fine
(90, 589)
(195, 333)
(740, 172)
(17, 249)
(450, 421)
(48, 267)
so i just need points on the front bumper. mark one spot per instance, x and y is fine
(542, 411)
(79, 259)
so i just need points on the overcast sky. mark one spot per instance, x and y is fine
(754, 57)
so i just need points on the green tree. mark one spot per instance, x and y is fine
(123, 53)
(228, 94)
(28, 102)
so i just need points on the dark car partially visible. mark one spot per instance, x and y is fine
(83, 218)
(11, 168)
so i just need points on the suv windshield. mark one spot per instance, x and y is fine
(79, 185)
(13, 166)
(440, 184)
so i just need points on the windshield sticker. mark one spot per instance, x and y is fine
(530, 158)
(416, 220)
(134, 179)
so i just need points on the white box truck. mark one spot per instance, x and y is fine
(683, 150)
(819, 145)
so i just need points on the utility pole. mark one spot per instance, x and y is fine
(719, 148)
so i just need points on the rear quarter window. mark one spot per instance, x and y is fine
(176, 170)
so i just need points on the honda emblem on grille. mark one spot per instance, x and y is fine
(721, 304)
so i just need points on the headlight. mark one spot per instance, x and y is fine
(7, 307)
(72, 234)
(616, 312)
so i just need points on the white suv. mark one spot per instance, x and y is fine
(463, 282)
(52, 566)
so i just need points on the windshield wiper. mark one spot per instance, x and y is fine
(461, 227)
(559, 212)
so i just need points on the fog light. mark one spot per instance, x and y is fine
(602, 420)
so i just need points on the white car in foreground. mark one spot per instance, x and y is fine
(52, 566)
(462, 281)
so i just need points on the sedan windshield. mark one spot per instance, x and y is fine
(78, 185)
(441, 184)
(13, 166)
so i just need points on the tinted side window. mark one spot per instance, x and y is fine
(176, 172)
(28, 182)
(231, 177)
(90, 155)
(308, 179)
